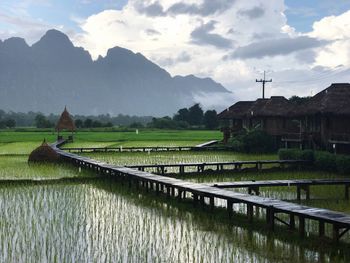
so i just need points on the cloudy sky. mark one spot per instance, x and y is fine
(304, 45)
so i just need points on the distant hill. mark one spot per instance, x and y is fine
(53, 73)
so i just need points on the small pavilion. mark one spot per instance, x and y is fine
(65, 123)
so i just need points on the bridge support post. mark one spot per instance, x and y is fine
(270, 217)
(321, 229)
(229, 208)
(336, 233)
(212, 204)
(291, 221)
(250, 212)
(301, 226)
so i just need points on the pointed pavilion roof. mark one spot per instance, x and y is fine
(65, 122)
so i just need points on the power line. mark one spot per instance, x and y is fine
(263, 81)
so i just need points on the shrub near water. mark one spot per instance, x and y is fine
(295, 154)
(254, 141)
(325, 161)
(343, 164)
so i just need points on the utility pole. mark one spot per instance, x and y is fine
(263, 81)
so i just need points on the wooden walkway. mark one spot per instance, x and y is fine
(183, 168)
(146, 149)
(304, 184)
(206, 195)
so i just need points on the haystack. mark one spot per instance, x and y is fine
(44, 153)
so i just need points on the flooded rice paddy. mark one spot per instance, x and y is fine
(100, 220)
(103, 221)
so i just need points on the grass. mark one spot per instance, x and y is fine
(12, 142)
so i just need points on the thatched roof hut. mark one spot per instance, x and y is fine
(276, 106)
(334, 100)
(44, 153)
(65, 122)
(237, 110)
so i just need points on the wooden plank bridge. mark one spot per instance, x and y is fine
(183, 168)
(208, 146)
(206, 195)
(302, 184)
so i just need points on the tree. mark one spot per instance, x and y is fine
(96, 124)
(79, 123)
(182, 115)
(10, 123)
(211, 120)
(195, 115)
(42, 122)
(88, 123)
(299, 100)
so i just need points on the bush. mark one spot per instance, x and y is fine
(258, 141)
(254, 141)
(296, 154)
(343, 164)
(325, 161)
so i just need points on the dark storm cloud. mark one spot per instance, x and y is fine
(207, 7)
(202, 36)
(254, 13)
(152, 10)
(275, 47)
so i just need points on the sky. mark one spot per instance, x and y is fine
(303, 45)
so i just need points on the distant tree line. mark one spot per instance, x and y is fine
(37, 119)
(193, 117)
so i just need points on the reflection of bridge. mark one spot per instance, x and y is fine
(205, 195)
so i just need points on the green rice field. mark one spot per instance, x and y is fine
(100, 220)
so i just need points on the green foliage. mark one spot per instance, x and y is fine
(325, 161)
(211, 120)
(253, 141)
(343, 164)
(182, 115)
(42, 122)
(296, 154)
(195, 115)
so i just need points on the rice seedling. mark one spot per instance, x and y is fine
(103, 222)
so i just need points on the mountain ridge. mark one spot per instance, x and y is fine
(53, 72)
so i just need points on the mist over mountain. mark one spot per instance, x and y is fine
(53, 73)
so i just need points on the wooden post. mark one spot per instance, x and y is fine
(270, 217)
(195, 198)
(321, 229)
(301, 226)
(202, 201)
(298, 193)
(307, 190)
(335, 233)
(250, 213)
(168, 191)
(179, 194)
(212, 204)
(291, 221)
(229, 208)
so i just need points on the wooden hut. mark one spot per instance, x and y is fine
(65, 123)
(233, 120)
(270, 115)
(325, 118)
(44, 153)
